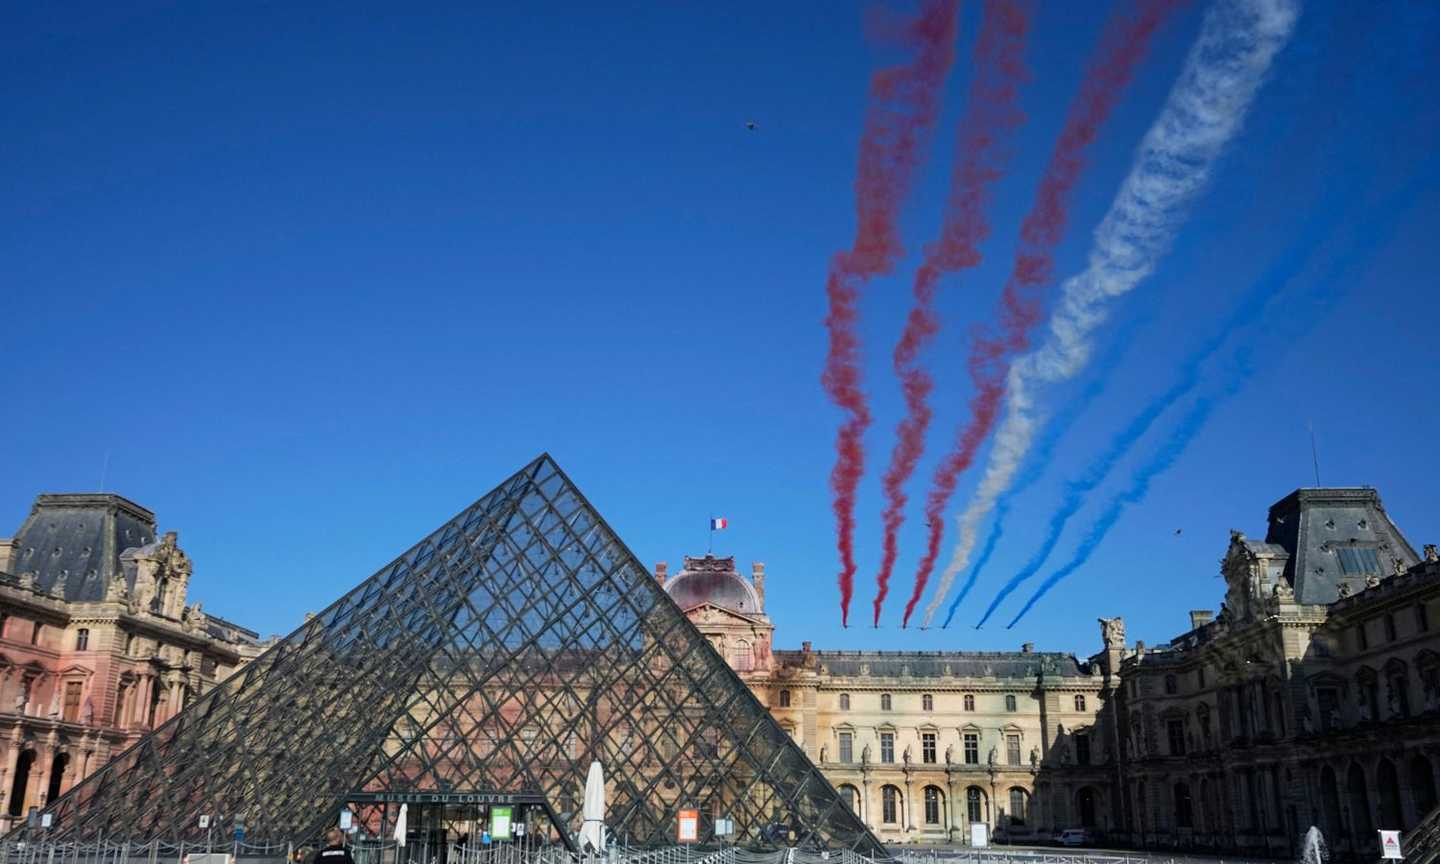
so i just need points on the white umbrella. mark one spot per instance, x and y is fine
(592, 832)
(400, 824)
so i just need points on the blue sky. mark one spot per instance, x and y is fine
(306, 279)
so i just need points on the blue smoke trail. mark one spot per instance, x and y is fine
(1301, 315)
(1039, 458)
(1320, 222)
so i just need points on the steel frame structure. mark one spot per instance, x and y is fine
(503, 652)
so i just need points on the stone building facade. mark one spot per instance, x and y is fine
(98, 644)
(1312, 698)
(924, 745)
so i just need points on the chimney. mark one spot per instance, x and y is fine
(1027, 648)
(757, 576)
(805, 646)
(660, 569)
(1200, 617)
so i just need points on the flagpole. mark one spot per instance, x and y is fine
(710, 546)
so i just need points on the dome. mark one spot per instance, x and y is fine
(715, 581)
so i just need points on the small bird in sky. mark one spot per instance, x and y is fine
(1177, 531)
(751, 125)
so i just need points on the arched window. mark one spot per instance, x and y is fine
(844, 701)
(851, 796)
(884, 701)
(969, 702)
(889, 805)
(1019, 805)
(927, 702)
(784, 698)
(18, 788)
(1009, 701)
(741, 657)
(1079, 703)
(975, 804)
(932, 805)
(1171, 685)
(82, 639)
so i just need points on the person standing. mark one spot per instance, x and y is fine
(335, 851)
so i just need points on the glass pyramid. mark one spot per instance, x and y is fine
(502, 653)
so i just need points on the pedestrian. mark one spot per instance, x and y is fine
(335, 851)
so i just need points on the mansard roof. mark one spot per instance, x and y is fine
(80, 537)
(939, 664)
(1336, 535)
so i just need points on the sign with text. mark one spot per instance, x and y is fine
(346, 820)
(205, 820)
(1390, 844)
(500, 818)
(979, 835)
(687, 826)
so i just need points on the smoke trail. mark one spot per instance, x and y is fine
(904, 103)
(1055, 432)
(1320, 221)
(1374, 230)
(1204, 111)
(989, 116)
(1122, 46)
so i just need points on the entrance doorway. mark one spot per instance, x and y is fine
(451, 828)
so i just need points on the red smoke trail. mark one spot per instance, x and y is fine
(904, 102)
(990, 114)
(1122, 47)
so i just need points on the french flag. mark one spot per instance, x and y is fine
(718, 524)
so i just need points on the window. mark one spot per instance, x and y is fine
(35, 633)
(887, 747)
(1012, 749)
(973, 808)
(851, 796)
(784, 698)
(741, 658)
(1175, 729)
(1389, 627)
(82, 639)
(932, 805)
(72, 700)
(884, 701)
(1082, 748)
(889, 805)
(927, 702)
(1200, 677)
(1422, 619)
(1183, 814)
(969, 702)
(1172, 685)
(1328, 701)
(1358, 560)
(927, 748)
(847, 747)
(1017, 806)
(1362, 641)
(1399, 696)
(972, 748)
(1009, 702)
(844, 701)
(1079, 703)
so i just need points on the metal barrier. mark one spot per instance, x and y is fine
(389, 852)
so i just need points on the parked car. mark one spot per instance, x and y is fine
(1073, 837)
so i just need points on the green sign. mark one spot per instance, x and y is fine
(500, 823)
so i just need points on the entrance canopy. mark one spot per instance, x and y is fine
(506, 651)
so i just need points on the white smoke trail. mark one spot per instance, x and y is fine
(1206, 107)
